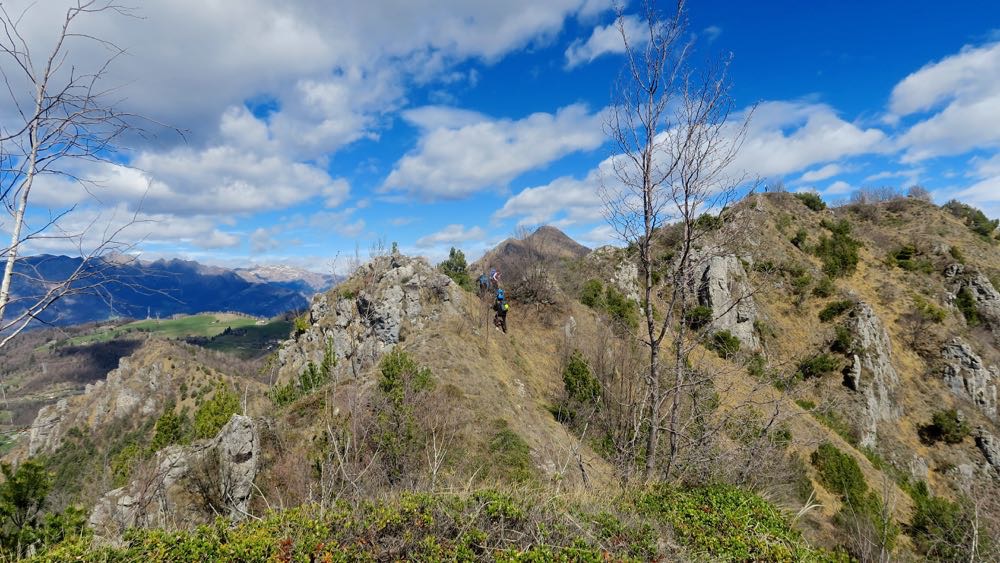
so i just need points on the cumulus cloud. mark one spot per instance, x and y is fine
(962, 92)
(606, 39)
(837, 188)
(828, 171)
(786, 137)
(569, 200)
(460, 153)
(219, 180)
(452, 235)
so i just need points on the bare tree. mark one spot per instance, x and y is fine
(62, 117)
(676, 146)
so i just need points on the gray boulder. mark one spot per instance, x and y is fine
(724, 287)
(187, 484)
(990, 446)
(872, 374)
(968, 377)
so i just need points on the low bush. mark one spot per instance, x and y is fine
(811, 200)
(699, 317)
(839, 251)
(817, 366)
(974, 218)
(835, 309)
(724, 344)
(580, 385)
(725, 523)
(843, 341)
(945, 426)
(799, 240)
(824, 287)
(943, 530)
(839, 472)
(214, 413)
(910, 259)
(966, 304)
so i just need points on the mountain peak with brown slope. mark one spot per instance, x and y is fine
(545, 243)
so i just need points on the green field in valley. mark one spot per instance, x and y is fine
(207, 326)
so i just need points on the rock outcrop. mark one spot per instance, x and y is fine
(187, 484)
(614, 265)
(990, 446)
(367, 315)
(724, 287)
(984, 295)
(872, 374)
(136, 386)
(968, 377)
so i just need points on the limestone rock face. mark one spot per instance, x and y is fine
(967, 376)
(985, 296)
(134, 387)
(364, 318)
(618, 270)
(872, 374)
(990, 446)
(187, 483)
(724, 287)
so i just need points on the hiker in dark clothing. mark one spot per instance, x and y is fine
(501, 307)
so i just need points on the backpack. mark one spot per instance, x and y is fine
(500, 295)
(506, 306)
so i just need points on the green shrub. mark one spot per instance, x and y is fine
(799, 240)
(825, 287)
(592, 294)
(974, 218)
(621, 309)
(509, 454)
(699, 317)
(839, 252)
(806, 404)
(909, 258)
(811, 200)
(171, 428)
(310, 379)
(456, 268)
(957, 254)
(943, 530)
(945, 426)
(725, 523)
(839, 472)
(214, 413)
(580, 385)
(301, 324)
(966, 304)
(835, 309)
(708, 222)
(724, 343)
(843, 340)
(817, 366)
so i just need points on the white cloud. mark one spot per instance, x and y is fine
(786, 137)
(712, 32)
(828, 171)
(460, 153)
(573, 201)
(966, 86)
(607, 39)
(452, 235)
(218, 180)
(839, 187)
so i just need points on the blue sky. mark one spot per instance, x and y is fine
(314, 129)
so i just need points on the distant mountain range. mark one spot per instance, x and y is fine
(162, 288)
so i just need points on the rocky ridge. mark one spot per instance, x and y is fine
(724, 287)
(872, 373)
(367, 316)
